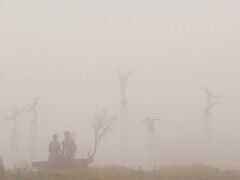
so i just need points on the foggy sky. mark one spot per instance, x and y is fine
(71, 51)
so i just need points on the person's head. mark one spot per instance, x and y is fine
(66, 134)
(55, 137)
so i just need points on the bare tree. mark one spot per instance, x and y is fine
(102, 125)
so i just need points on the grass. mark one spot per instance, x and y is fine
(193, 172)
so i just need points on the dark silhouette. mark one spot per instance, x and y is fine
(13, 117)
(33, 107)
(210, 96)
(65, 158)
(68, 146)
(1, 168)
(210, 105)
(18, 174)
(150, 122)
(102, 125)
(54, 151)
(211, 101)
(123, 82)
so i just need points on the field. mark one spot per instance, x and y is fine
(193, 172)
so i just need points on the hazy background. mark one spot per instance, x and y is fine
(71, 51)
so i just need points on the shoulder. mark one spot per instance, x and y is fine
(50, 143)
(64, 141)
(72, 141)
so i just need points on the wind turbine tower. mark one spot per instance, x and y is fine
(151, 127)
(211, 103)
(124, 118)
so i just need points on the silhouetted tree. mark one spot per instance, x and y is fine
(102, 125)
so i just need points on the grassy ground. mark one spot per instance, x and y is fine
(193, 172)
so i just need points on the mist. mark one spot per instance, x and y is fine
(70, 52)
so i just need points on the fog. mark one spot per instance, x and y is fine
(70, 52)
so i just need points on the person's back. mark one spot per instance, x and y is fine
(69, 147)
(54, 149)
